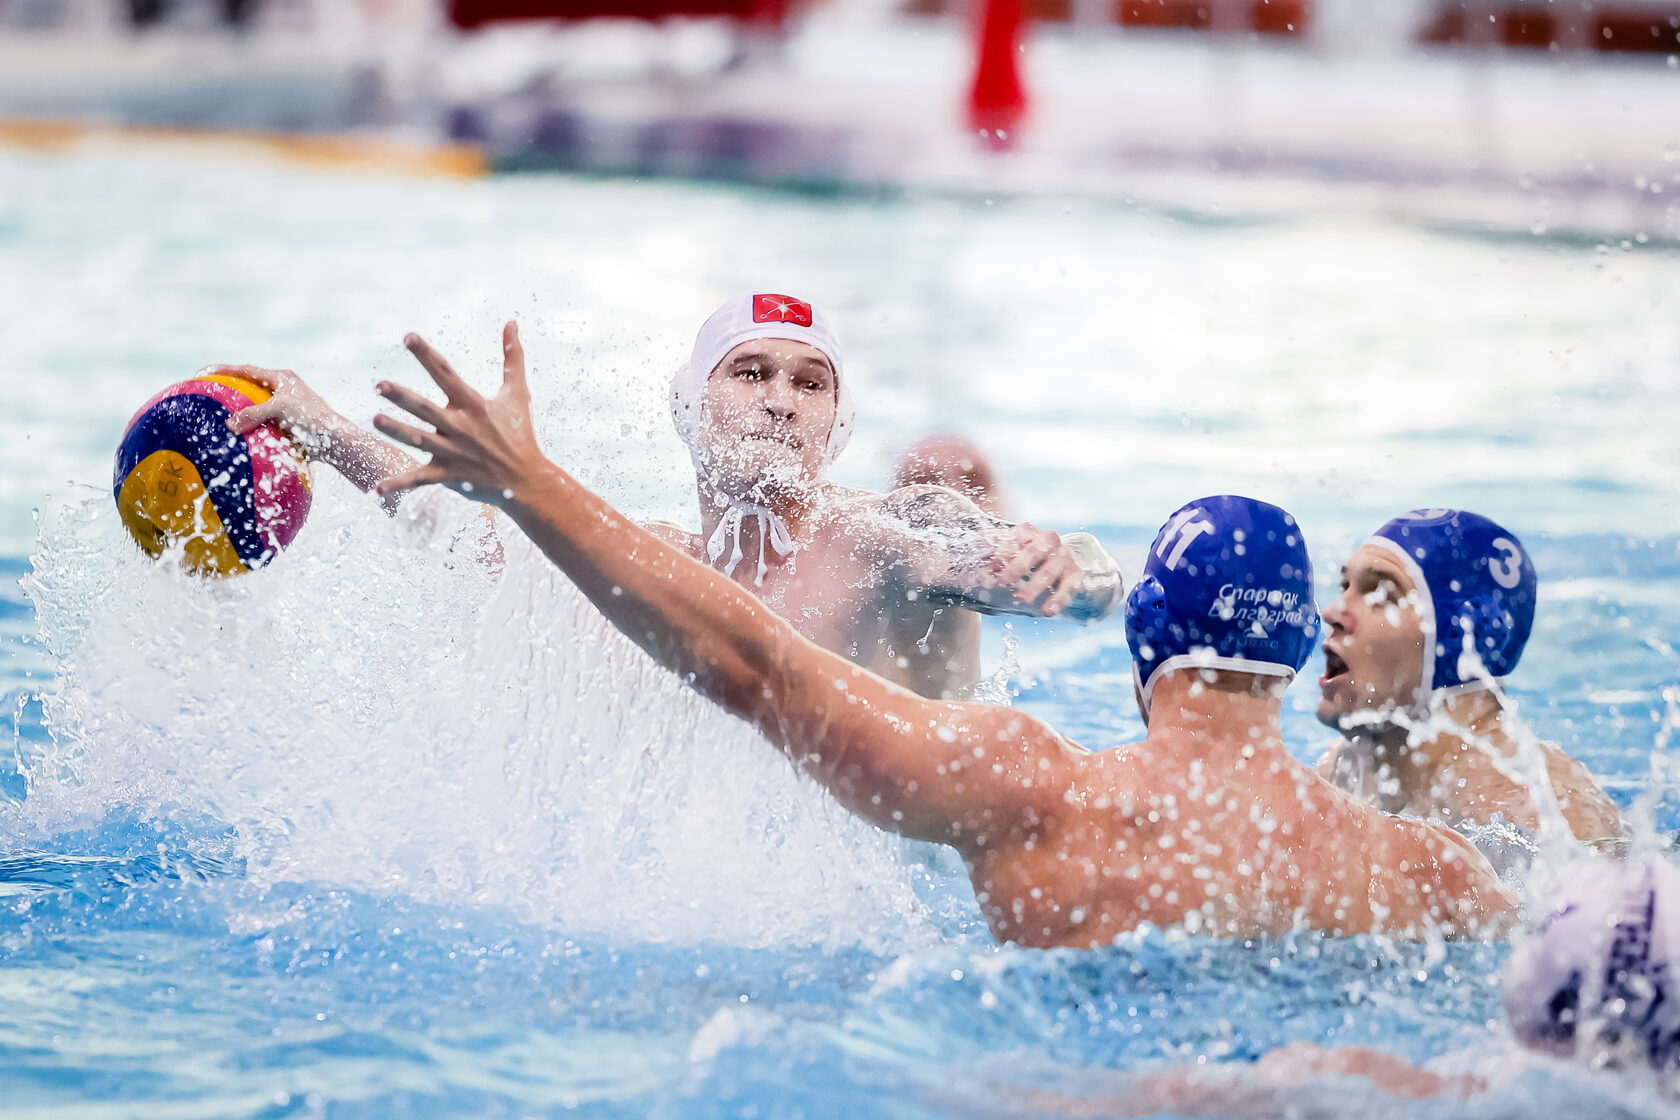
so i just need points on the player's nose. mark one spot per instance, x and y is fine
(1335, 614)
(780, 400)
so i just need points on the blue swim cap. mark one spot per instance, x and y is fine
(1475, 582)
(1228, 585)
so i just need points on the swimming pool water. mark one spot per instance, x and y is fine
(374, 833)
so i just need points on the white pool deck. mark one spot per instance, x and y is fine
(1514, 141)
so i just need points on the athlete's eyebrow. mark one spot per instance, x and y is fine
(1385, 575)
(801, 362)
(1373, 571)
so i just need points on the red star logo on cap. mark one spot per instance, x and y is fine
(771, 308)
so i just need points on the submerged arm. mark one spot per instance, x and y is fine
(948, 772)
(954, 550)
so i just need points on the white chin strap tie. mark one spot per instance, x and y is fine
(772, 533)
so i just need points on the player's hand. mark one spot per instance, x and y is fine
(1033, 564)
(483, 447)
(292, 406)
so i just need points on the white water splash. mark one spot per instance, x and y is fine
(379, 709)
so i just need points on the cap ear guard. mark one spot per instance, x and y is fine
(685, 406)
(1488, 641)
(1146, 619)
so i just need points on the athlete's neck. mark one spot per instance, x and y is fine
(1216, 711)
(796, 509)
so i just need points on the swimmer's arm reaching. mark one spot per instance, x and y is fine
(954, 550)
(674, 535)
(324, 434)
(961, 774)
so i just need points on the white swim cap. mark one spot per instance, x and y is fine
(1597, 978)
(746, 317)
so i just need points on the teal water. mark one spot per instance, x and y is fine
(373, 833)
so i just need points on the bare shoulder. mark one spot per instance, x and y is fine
(674, 535)
(1591, 814)
(926, 506)
(1436, 877)
(1037, 768)
(1560, 764)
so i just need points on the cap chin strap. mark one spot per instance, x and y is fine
(772, 533)
(1206, 659)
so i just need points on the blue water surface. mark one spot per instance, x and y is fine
(228, 888)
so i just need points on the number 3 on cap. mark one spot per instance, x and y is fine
(1506, 567)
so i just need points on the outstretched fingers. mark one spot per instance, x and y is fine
(418, 438)
(456, 390)
(415, 405)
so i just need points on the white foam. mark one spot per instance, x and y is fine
(380, 710)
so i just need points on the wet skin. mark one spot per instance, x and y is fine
(872, 569)
(1209, 816)
(1374, 649)
(940, 643)
(1372, 691)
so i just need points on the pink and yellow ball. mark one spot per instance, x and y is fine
(230, 502)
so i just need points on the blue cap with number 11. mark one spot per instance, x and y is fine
(1476, 589)
(1228, 585)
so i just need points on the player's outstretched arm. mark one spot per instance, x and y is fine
(960, 552)
(322, 432)
(961, 774)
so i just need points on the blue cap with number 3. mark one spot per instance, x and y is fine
(1227, 585)
(1477, 592)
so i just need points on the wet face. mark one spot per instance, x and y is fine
(770, 406)
(1374, 652)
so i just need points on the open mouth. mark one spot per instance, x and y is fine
(790, 440)
(1334, 667)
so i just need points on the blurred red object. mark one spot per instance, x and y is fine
(997, 101)
(468, 14)
(1266, 17)
(1630, 25)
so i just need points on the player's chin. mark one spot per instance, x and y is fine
(1333, 709)
(772, 461)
